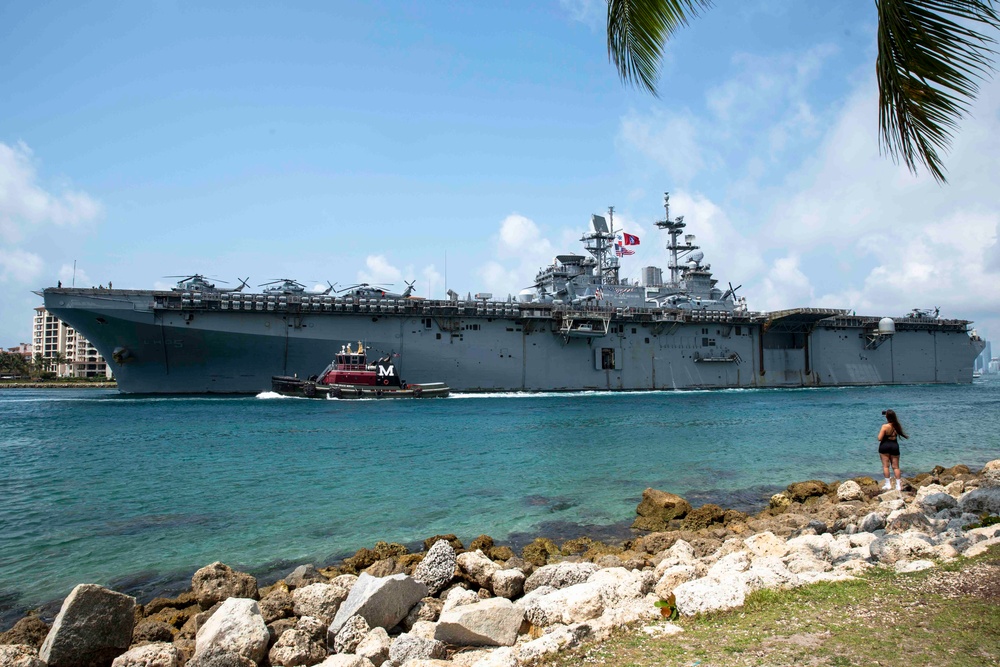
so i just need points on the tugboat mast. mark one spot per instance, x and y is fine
(677, 250)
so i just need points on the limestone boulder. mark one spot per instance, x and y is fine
(937, 502)
(706, 595)
(674, 576)
(908, 522)
(375, 646)
(304, 575)
(780, 502)
(458, 596)
(478, 567)
(323, 600)
(573, 604)
(871, 522)
(277, 604)
(657, 508)
(301, 645)
(802, 491)
(237, 627)
(20, 655)
(29, 631)
(159, 654)
(437, 568)
(618, 585)
(350, 635)
(492, 622)
(216, 582)
(729, 564)
(559, 575)
(984, 499)
(989, 476)
(152, 630)
(345, 660)
(219, 657)
(93, 626)
(407, 647)
(889, 549)
(765, 545)
(428, 609)
(850, 490)
(769, 572)
(508, 583)
(382, 602)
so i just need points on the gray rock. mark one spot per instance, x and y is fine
(984, 499)
(909, 521)
(350, 635)
(375, 646)
(891, 548)
(437, 568)
(559, 575)
(937, 502)
(19, 655)
(237, 627)
(382, 602)
(492, 622)
(323, 600)
(408, 647)
(219, 657)
(345, 660)
(990, 474)
(216, 582)
(158, 654)
(304, 575)
(872, 522)
(94, 625)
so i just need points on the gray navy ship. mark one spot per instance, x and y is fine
(579, 327)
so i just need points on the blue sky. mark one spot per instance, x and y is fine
(384, 142)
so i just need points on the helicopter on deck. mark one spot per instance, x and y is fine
(199, 283)
(289, 286)
(377, 291)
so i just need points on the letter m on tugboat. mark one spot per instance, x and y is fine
(351, 376)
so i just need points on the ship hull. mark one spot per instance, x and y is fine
(156, 345)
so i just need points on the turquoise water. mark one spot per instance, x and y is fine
(140, 492)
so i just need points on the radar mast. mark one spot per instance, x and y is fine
(677, 250)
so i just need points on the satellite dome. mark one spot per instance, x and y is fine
(886, 326)
(697, 256)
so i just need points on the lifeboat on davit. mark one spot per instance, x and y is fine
(350, 375)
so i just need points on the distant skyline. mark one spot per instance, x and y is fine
(388, 142)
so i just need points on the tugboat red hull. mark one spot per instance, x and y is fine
(291, 386)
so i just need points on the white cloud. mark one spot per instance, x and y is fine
(521, 249)
(379, 271)
(23, 203)
(784, 286)
(670, 140)
(20, 266)
(592, 13)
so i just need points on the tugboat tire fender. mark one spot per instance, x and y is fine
(417, 391)
(335, 392)
(309, 389)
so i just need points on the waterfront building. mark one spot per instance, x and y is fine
(71, 353)
(652, 276)
(26, 350)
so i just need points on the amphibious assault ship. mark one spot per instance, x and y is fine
(579, 327)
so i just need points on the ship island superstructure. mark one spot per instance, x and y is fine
(580, 327)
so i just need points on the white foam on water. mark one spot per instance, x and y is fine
(271, 394)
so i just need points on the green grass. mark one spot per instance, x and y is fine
(948, 616)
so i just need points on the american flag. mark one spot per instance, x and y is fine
(621, 250)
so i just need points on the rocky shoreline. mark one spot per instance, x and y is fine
(485, 606)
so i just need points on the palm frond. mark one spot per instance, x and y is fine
(637, 31)
(930, 57)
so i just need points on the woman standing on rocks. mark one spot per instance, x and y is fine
(888, 448)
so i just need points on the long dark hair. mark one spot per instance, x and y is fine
(890, 416)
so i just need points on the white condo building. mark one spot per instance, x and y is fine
(51, 336)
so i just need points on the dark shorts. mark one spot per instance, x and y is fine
(890, 447)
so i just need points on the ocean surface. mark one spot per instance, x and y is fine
(137, 493)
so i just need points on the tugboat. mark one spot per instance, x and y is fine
(351, 376)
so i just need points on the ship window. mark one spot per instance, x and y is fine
(704, 331)
(739, 331)
(633, 329)
(607, 358)
(647, 340)
(439, 336)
